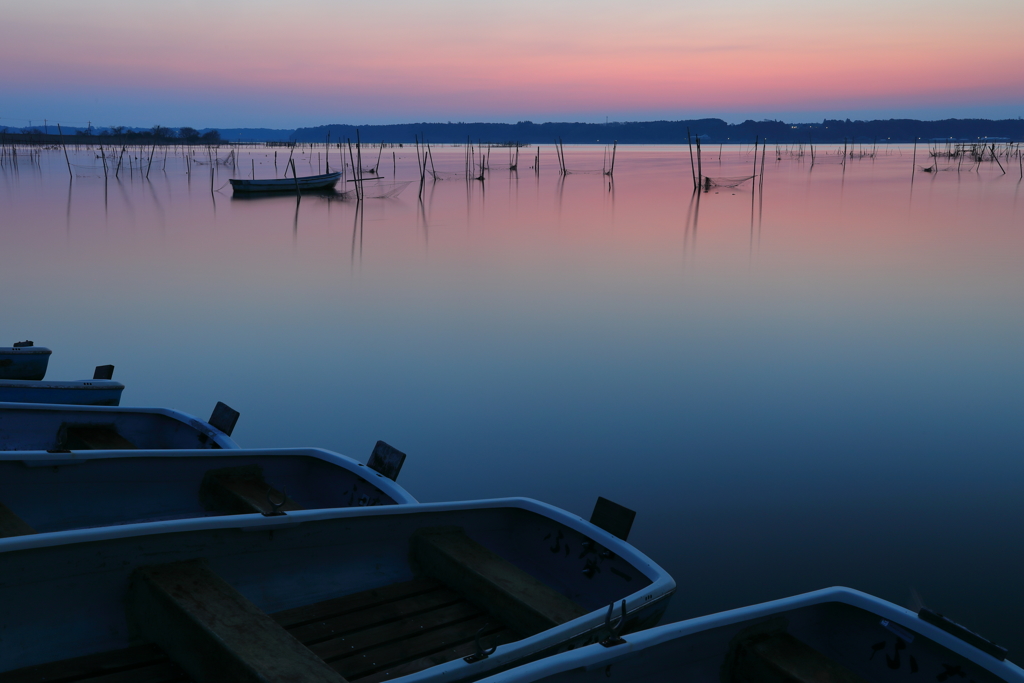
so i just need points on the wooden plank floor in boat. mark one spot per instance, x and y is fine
(395, 630)
(367, 637)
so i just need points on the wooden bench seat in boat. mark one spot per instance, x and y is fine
(467, 597)
(481, 576)
(242, 490)
(782, 658)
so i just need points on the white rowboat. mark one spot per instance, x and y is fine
(836, 635)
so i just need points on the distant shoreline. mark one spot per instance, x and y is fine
(709, 131)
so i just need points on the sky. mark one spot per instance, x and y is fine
(262, 63)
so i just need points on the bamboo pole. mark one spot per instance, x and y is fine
(753, 179)
(913, 169)
(700, 169)
(760, 184)
(693, 170)
(70, 173)
(996, 158)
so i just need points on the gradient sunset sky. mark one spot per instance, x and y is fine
(268, 63)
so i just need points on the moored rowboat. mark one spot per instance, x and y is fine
(836, 635)
(45, 493)
(85, 392)
(302, 183)
(24, 360)
(446, 591)
(41, 427)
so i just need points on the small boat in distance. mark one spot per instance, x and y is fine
(24, 360)
(302, 183)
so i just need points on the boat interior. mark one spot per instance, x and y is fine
(67, 429)
(830, 642)
(55, 494)
(365, 598)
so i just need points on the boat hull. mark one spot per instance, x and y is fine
(317, 182)
(40, 427)
(24, 362)
(57, 492)
(90, 392)
(65, 595)
(854, 635)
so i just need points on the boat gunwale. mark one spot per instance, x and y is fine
(69, 384)
(598, 655)
(26, 350)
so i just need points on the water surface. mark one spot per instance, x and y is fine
(820, 386)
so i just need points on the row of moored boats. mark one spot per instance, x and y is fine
(142, 544)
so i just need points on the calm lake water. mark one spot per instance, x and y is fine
(822, 387)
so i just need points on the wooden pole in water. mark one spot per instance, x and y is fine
(700, 169)
(615, 145)
(995, 158)
(753, 179)
(352, 160)
(693, 170)
(913, 169)
(359, 156)
(760, 184)
(756, 140)
(65, 150)
(295, 177)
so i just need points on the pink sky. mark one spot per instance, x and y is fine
(308, 62)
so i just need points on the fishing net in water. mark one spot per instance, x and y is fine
(584, 171)
(382, 190)
(827, 159)
(447, 175)
(726, 181)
